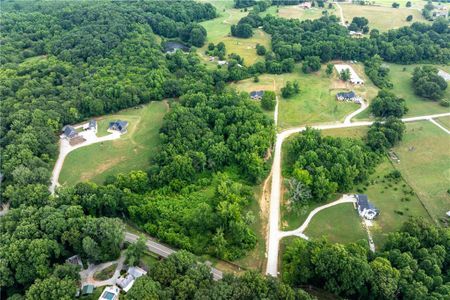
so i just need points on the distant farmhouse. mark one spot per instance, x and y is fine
(256, 95)
(355, 33)
(349, 96)
(366, 209)
(441, 11)
(354, 78)
(305, 5)
(118, 125)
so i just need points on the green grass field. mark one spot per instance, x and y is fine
(131, 151)
(339, 224)
(401, 78)
(316, 101)
(219, 31)
(382, 17)
(445, 121)
(296, 12)
(394, 199)
(425, 165)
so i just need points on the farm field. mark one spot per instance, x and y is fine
(219, 31)
(425, 165)
(401, 78)
(377, 15)
(339, 224)
(132, 151)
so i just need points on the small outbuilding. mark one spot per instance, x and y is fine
(256, 95)
(75, 260)
(118, 125)
(87, 289)
(365, 209)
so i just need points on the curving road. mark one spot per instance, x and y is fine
(274, 215)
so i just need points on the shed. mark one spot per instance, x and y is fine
(87, 289)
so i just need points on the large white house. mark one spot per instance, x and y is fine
(365, 209)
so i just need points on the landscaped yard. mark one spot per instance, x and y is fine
(425, 165)
(339, 224)
(106, 273)
(219, 31)
(382, 17)
(132, 151)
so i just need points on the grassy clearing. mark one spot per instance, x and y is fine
(395, 199)
(106, 273)
(148, 260)
(401, 78)
(316, 101)
(339, 224)
(425, 165)
(296, 12)
(382, 17)
(132, 151)
(219, 31)
(445, 121)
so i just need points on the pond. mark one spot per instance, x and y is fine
(172, 47)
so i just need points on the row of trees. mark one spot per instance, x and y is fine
(413, 264)
(327, 39)
(377, 72)
(181, 277)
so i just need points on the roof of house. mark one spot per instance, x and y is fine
(92, 123)
(119, 125)
(256, 93)
(87, 289)
(363, 202)
(347, 95)
(136, 272)
(69, 131)
(123, 282)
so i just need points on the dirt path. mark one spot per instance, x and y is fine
(340, 13)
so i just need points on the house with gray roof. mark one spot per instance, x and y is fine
(118, 125)
(69, 132)
(256, 95)
(366, 209)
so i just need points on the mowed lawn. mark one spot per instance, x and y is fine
(296, 12)
(339, 224)
(132, 151)
(382, 17)
(401, 77)
(219, 31)
(397, 201)
(445, 121)
(425, 164)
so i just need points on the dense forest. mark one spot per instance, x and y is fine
(413, 264)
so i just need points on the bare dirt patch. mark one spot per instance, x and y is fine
(101, 168)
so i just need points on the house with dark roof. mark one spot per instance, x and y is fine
(256, 95)
(348, 96)
(69, 132)
(118, 125)
(366, 209)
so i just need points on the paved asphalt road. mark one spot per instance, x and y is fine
(164, 251)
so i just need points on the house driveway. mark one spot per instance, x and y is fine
(65, 148)
(87, 276)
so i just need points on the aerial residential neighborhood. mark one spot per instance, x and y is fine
(224, 149)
